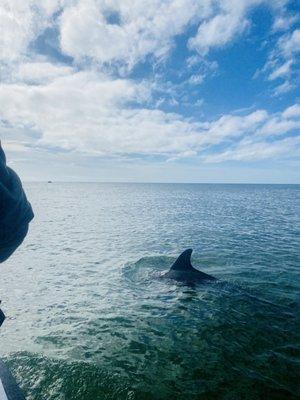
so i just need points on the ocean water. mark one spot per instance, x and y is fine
(90, 318)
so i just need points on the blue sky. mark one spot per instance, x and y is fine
(151, 90)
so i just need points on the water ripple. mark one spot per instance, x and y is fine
(89, 316)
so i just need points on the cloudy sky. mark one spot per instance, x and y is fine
(151, 90)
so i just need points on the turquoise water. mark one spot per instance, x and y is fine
(89, 316)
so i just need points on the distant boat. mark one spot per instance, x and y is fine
(49, 181)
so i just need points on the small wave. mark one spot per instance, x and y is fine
(42, 377)
(146, 269)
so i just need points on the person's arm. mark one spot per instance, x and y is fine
(15, 210)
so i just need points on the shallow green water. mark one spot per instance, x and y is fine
(89, 316)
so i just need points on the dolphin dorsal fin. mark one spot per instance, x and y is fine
(183, 262)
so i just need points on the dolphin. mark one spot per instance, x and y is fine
(182, 270)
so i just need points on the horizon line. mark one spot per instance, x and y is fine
(49, 181)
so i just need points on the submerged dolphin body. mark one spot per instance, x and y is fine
(182, 270)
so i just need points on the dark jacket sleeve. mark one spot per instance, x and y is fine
(15, 210)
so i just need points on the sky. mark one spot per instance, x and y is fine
(151, 90)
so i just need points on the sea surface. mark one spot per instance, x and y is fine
(89, 316)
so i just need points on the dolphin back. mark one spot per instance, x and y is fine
(183, 262)
(183, 270)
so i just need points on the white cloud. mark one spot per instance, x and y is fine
(21, 22)
(281, 71)
(15, 146)
(282, 62)
(252, 147)
(196, 79)
(284, 22)
(123, 32)
(226, 24)
(278, 126)
(40, 72)
(282, 122)
(292, 112)
(251, 151)
(284, 87)
(91, 113)
(144, 27)
(81, 110)
(88, 113)
(232, 126)
(217, 32)
(290, 44)
(148, 27)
